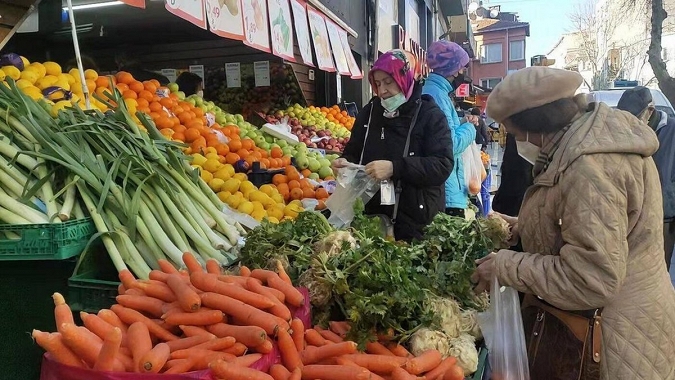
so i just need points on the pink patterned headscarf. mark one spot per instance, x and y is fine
(396, 64)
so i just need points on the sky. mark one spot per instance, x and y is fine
(549, 20)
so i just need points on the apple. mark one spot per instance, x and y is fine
(314, 176)
(173, 87)
(302, 162)
(325, 171)
(181, 95)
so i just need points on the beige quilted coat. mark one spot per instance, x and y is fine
(592, 223)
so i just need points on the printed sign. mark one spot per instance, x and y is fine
(198, 70)
(170, 74)
(281, 29)
(261, 70)
(302, 31)
(233, 74)
(193, 11)
(462, 91)
(319, 35)
(225, 18)
(353, 65)
(256, 32)
(336, 46)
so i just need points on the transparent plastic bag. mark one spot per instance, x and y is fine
(474, 171)
(352, 183)
(502, 327)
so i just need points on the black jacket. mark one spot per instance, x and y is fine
(482, 135)
(422, 173)
(516, 178)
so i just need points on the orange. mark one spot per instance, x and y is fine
(293, 184)
(329, 178)
(279, 179)
(199, 144)
(174, 120)
(177, 109)
(147, 95)
(283, 188)
(277, 152)
(178, 127)
(136, 86)
(91, 86)
(235, 145)
(296, 194)
(222, 149)
(179, 136)
(304, 184)
(321, 205)
(166, 132)
(124, 77)
(103, 81)
(184, 117)
(150, 86)
(155, 107)
(247, 144)
(154, 115)
(192, 134)
(286, 161)
(265, 162)
(293, 175)
(155, 82)
(306, 173)
(243, 153)
(163, 122)
(121, 87)
(232, 158)
(142, 103)
(196, 123)
(321, 193)
(198, 112)
(128, 94)
(308, 193)
(167, 102)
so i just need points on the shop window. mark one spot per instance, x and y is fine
(490, 83)
(517, 50)
(491, 53)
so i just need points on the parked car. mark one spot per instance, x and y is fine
(611, 98)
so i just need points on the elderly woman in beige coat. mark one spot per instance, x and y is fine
(599, 302)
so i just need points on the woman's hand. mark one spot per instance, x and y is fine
(484, 273)
(380, 170)
(339, 163)
(513, 226)
(473, 119)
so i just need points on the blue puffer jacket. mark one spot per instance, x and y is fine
(456, 192)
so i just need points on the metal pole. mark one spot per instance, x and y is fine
(78, 56)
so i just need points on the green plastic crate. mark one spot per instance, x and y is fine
(46, 241)
(93, 285)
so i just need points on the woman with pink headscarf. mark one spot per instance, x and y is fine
(402, 137)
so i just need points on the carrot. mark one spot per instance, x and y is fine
(62, 312)
(125, 359)
(204, 361)
(153, 361)
(296, 375)
(109, 350)
(380, 364)
(277, 294)
(425, 362)
(343, 361)
(127, 278)
(98, 326)
(191, 263)
(134, 292)
(279, 309)
(281, 271)
(290, 356)
(313, 355)
(237, 350)
(213, 267)
(401, 374)
(293, 295)
(298, 334)
(187, 353)
(225, 370)
(263, 274)
(313, 338)
(209, 283)
(246, 360)
(140, 343)
(230, 279)
(237, 309)
(330, 336)
(244, 271)
(166, 267)
(218, 344)
(398, 350)
(181, 366)
(156, 289)
(387, 336)
(279, 372)
(251, 336)
(150, 305)
(112, 318)
(196, 331)
(83, 343)
(121, 289)
(188, 342)
(377, 348)
(265, 348)
(130, 316)
(453, 373)
(198, 318)
(340, 328)
(334, 372)
(440, 370)
(189, 299)
(54, 345)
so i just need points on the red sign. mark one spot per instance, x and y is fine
(462, 91)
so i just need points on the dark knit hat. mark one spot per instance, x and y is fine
(635, 100)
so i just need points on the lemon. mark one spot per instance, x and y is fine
(245, 207)
(47, 81)
(211, 165)
(247, 187)
(22, 83)
(276, 212)
(56, 108)
(224, 196)
(198, 159)
(88, 74)
(268, 189)
(259, 215)
(25, 61)
(12, 72)
(63, 84)
(240, 176)
(230, 169)
(292, 211)
(52, 68)
(223, 174)
(278, 198)
(296, 203)
(232, 185)
(39, 68)
(30, 76)
(272, 219)
(216, 184)
(2, 75)
(206, 176)
(257, 196)
(233, 200)
(211, 150)
(32, 92)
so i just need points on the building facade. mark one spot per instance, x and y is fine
(569, 55)
(500, 49)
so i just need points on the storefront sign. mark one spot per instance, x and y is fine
(336, 45)
(353, 66)
(197, 70)
(317, 25)
(413, 47)
(302, 31)
(261, 70)
(281, 28)
(233, 74)
(462, 91)
(193, 11)
(225, 18)
(256, 32)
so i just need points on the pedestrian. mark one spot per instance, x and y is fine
(402, 137)
(599, 303)
(190, 84)
(516, 177)
(639, 102)
(482, 136)
(448, 60)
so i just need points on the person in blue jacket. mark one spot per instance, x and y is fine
(448, 60)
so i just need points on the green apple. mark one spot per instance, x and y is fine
(264, 146)
(269, 139)
(191, 101)
(239, 117)
(325, 163)
(315, 176)
(314, 165)
(173, 87)
(287, 151)
(282, 143)
(181, 95)
(275, 145)
(301, 147)
(325, 171)
(259, 140)
(302, 162)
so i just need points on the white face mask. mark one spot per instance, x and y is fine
(528, 151)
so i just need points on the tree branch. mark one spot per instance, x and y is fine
(666, 82)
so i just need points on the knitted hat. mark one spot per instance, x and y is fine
(446, 58)
(635, 100)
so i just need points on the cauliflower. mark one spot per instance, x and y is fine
(448, 312)
(464, 349)
(469, 323)
(426, 339)
(334, 242)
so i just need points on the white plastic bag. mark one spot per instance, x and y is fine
(502, 327)
(474, 171)
(352, 183)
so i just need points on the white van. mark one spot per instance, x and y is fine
(611, 98)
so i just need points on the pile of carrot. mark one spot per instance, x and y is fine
(183, 321)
